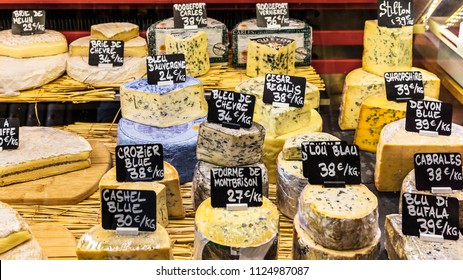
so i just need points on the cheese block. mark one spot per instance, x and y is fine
(305, 248)
(194, 47)
(273, 145)
(178, 142)
(396, 149)
(163, 106)
(43, 152)
(255, 86)
(109, 181)
(201, 185)
(100, 244)
(250, 234)
(404, 247)
(174, 195)
(114, 31)
(16, 239)
(298, 30)
(216, 32)
(409, 186)
(27, 73)
(292, 149)
(360, 85)
(276, 55)
(134, 47)
(386, 49)
(339, 218)
(50, 43)
(79, 69)
(230, 147)
(279, 121)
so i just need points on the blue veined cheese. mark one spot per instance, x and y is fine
(230, 147)
(292, 149)
(305, 248)
(280, 121)
(409, 186)
(386, 49)
(404, 247)
(201, 185)
(163, 106)
(216, 31)
(359, 85)
(339, 218)
(274, 145)
(250, 234)
(276, 55)
(298, 30)
(101, 244)
(109, 181)
(194, 46)
(178, 142)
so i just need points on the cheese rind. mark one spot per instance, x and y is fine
(201, 185)
(100, 244)
(403, 247)
(109, 181)
(163, 106)
(174, 195)
(292, 149)
(396, 149)
(230, 147)
(114, 31)
(386, 49)
(305, 248)
(339, 218)
(50, 43)
(136, 47)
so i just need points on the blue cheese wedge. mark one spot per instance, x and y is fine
(292, 150)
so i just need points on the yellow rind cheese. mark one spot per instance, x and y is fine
(37, 45)
(13, 240)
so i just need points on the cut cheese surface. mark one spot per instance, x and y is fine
(100, 244)
(136, 47)
(396, 149)
(49, 43)
(174, 195)
(13, 240)
(339, 218)
(292, 149)
(163, 106)
(114, 31)
(108, 181)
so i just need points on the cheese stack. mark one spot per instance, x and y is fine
(337, 223)
(30, 61)
(250, 234)
(221, 146)
(135, 52)
(282, 123)
(290, 178)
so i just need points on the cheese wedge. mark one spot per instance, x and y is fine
(49, 43)
(292, 149)
(136, 47)
(114, 31)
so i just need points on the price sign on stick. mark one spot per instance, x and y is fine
(272, 15)
(139, 163)
(231, 109)
(190, 15)
(284, 91)
(166, 69)
(403, 86)
(28, 22)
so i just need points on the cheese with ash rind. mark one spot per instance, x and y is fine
(50, 43)
(201, 185)
(163, 106)
(397, 147)
(305, 248)
(404, 247)
(101, 244)
(250, 234)
(134, 47)
(230, 147)
(339, 218)
(114, 31)
(292, 149)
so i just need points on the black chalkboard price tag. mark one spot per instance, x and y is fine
(438, 170)
(139, 163)
(429, 116)
(166, 69)
(106, 53)
(431, 215)
(284, 91)
(236, 185)
(403, 86)
(122, 208)
(28, 22)
(190, 15)
(272, 15)
(331, 163)
(9, 133)
(395, 13)
(231, 109)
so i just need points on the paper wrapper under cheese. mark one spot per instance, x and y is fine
(248, 234)
(304, 248)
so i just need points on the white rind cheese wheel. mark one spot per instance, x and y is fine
(304, 248)
(136, 47)
(114, 31)
(339, 218)
(50, 43)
